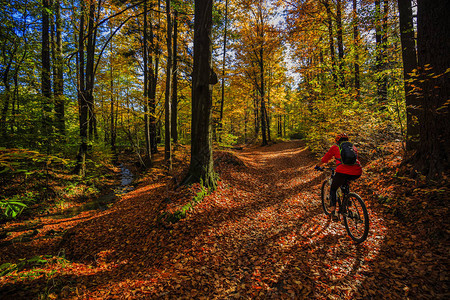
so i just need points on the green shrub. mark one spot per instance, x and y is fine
(12, 207)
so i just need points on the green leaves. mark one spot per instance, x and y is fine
(11, 208)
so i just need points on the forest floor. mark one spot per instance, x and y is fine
(261, 234)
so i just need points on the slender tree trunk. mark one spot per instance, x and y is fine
(154, 67)
(203, 77)
(326, 3)
(148, 150)
(90, 51)
(80, 168)
(432, 156)
(46, 72)
(263, 105)
(222, 100)
(15, 100)
(356, 49)
(113, 119)
(409, 64)
(384, 45)
(59, 74)
(340, 44)
(168, 100)
(174, 109)
(262, 87)
(378, 47)
(379, 37)
(268, 107)
(256, 111)
(7, 99)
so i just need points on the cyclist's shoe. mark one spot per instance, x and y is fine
(334, 215)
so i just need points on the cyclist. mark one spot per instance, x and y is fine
(344, 172)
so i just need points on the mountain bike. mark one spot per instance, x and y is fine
(349, 205)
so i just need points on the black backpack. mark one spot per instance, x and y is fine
(349, 154)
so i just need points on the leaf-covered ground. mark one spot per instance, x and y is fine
(261, 234)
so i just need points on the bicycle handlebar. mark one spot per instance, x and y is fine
(317, 168)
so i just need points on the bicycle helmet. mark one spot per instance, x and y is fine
(340, 137)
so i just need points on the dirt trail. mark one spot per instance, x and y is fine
(261, 234)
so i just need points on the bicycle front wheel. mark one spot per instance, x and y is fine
(356, 218)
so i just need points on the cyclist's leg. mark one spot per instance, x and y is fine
(352, 177)
(347, 179)
(338, 180)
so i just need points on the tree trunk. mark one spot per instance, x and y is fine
(222, 100)
(90, 59)
(168, 100)
(112, 103)
(340, 44)
(356, 49)
(80, 168)
(432, 155)
(384, 45)
(153, 81)
(262, 87)
(58, 89)
(409, 64)
(326, 3)
(148, 150)
(174, 109)
(256, 112)
(201, 166)
(261, 92)
(46, 73)
(379, 65)
(7, 99)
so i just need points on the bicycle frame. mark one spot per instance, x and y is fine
(345, 188)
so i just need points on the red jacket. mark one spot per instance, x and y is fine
(341, 168)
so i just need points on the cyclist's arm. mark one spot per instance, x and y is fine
(329, 155)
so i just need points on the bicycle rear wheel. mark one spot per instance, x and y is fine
(325, 196)
(356, 218)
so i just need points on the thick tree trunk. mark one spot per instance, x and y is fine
(201, 166)
(432, 156)
(409, 57)
(168, 100)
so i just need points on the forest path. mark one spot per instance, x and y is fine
(261, 234)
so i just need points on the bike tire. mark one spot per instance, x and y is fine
(356, 218)
(325, 197)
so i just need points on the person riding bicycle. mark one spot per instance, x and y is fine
(344, 172)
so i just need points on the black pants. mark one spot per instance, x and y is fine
(338, 180)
